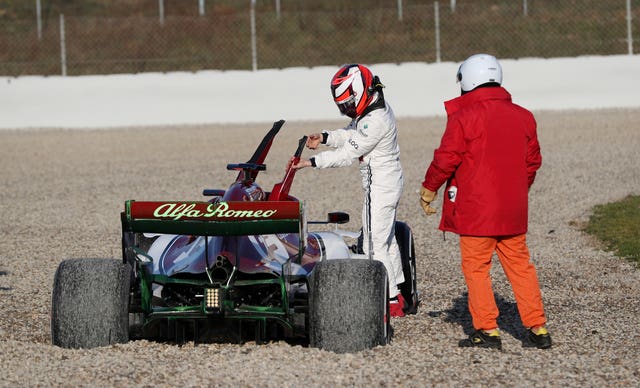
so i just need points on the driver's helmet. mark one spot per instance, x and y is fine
(252, 192)
(352, 89)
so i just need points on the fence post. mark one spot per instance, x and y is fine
(436, 8)
(161, 11)
(39, 17)
(201, 7)
(453, 6)
(525, 8)
(278, 9)
(254, 50)
(399, 10)
(63, 48)
(629, 34)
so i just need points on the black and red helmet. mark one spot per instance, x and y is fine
(352, 89)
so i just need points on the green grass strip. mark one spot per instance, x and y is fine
(617, 225)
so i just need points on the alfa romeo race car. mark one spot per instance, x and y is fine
(241, 264)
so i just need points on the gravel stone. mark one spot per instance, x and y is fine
(62, 191)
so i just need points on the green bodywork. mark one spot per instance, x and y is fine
(142, 300)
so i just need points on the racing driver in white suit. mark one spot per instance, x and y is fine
(371, 138)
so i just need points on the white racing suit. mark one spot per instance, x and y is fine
(372, 139)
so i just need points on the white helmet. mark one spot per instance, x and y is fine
(479, 69)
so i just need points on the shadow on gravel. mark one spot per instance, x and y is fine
(508, 320)
(3, 288)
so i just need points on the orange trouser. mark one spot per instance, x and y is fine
(514, 256)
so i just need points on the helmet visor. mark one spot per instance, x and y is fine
(347, 107)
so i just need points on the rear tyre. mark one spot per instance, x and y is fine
(408, 289)
(90, 303)
(348, 309)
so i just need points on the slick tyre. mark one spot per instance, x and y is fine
(90, 302)
(409, 288)
(348, 309)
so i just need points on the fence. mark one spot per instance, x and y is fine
(274, 37)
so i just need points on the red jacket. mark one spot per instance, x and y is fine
(490, 152)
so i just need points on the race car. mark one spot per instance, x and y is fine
(241, 264)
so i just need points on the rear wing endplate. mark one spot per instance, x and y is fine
(231, 218)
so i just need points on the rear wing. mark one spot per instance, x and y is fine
(281, 190)
(260, 153)
(232, 218)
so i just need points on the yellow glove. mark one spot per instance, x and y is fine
(426, 197)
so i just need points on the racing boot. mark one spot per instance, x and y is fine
(396, 306)
(482, 339)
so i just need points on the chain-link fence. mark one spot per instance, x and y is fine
(275, 37)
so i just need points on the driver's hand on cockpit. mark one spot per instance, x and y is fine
(302, 163)
(314, 140)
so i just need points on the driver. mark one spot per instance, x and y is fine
(370, 138)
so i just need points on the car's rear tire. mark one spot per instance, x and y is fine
(348, 308)
(90, 303)
(409, 288)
